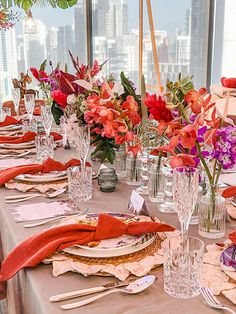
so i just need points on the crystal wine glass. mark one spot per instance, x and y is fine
(16, 99)
(47, 118)
(185, 193)
(82, 142)
(29, 105)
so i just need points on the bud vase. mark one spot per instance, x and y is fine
(212, 214)
(133, 170)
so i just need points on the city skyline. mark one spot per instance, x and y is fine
(112, 39)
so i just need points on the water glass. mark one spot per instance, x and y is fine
(16, 98)
(29, 125)
(156, 185)
(185, 194)
(182, 268)
(47, 118)
(29, 105)
(44, 147)
(168, 205)
(79, 184)
(107, 180)
(120, 162)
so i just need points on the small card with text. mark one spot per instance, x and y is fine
(137, 204)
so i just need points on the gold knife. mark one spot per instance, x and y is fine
(79, 293)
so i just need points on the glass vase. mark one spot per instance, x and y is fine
(156, 185)
(212, 214)
(120, 162)
(133, 170)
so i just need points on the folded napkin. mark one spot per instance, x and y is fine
(47, 166)
(229, 192)
(10, 121)
(232, 237)
(33, 250)
(27, 137)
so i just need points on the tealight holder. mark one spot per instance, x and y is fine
(107, 180)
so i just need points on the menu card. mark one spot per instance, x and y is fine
(28, 212)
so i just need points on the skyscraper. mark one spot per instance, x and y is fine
(199, 37)
(79, 29)
(8, 61)
(34, 44)
(52, 42)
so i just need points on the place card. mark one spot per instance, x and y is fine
(29, 212)
(102, 167)
(137, 204)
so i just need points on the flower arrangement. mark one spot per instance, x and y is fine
(7, 18)
(111, 109)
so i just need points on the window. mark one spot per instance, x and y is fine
(181, 32)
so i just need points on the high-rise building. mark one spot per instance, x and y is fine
(182, 54)
(121, 19)
(52, 43)
(199, 37)
(79, 31)
(20, 53)
(34, 44)
(8, 61)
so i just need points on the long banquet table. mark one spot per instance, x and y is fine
(29, 291)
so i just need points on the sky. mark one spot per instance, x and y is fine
(167, 15)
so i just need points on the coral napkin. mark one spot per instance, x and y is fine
(232, 237)
(27, 137)
(47, 166)
(33, 250)
(10, 121)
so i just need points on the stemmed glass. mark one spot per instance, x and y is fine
(82, 142)
(16, 99)
(47, 118)
(185, 193)
(29, 105)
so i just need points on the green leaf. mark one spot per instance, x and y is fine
(57, 112)
(43, 65)
(129, 90)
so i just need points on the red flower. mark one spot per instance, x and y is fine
(60, 98)
(157, 107)
(35, 73)
(228, 82)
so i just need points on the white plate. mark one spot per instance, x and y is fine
(11, 127)
(18, 146)
(52, 174)
(146, 241)
(40, 178)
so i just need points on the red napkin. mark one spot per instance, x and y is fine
(9, 121)
(47, 166)
(27, 137)
(33, 250)
(232, 237)
(228, 82)
(229, 192)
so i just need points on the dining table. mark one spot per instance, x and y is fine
(29, 290)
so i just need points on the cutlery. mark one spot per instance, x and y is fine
(212, 301)
(41, 223)
(83, 292)
(133, 288)
(22, 197)
(15, 156)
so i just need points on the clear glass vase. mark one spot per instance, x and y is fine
(156, 185)
(211, 214)
(120, 162)
(133, 170)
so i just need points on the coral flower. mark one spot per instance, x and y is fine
(157, 107)
(195, 99)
